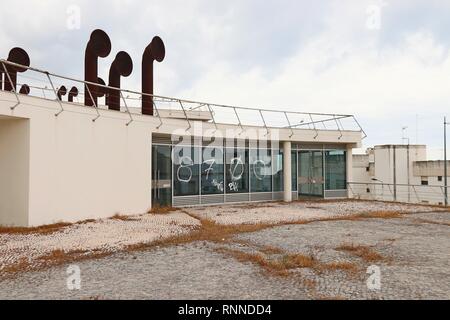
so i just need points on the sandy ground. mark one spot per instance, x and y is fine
(298, 211)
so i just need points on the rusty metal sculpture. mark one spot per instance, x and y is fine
(62, 91)
(19, 56)
(121, 66)
(99, 45)
(72, 93)
(100, 91)
(154, 51)
(25, 89)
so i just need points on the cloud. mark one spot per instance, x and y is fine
(295, 55)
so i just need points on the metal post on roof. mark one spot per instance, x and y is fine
(289, 123)
(339, 128)
(128, 110)
(159, 116)
(314, 126)
(95, 104)
(360, 128)
(445, 162)
(185, 115)
(12, 86)
(264, 121)
(239, 120)
(212, 116)
(56, 94)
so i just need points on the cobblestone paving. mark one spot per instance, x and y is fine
(417, 266)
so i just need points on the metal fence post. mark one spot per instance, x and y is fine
(56, 95)
(12, 86)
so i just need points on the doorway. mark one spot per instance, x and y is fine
(310, 173)
(161, 175)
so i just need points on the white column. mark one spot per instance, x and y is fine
(349, 161)
(287, 171)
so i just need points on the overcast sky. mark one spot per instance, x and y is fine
(387, 62)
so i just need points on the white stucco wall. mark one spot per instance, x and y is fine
(79, 169)
(14, 170)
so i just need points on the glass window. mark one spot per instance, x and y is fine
(260, 170)
(186, 167)
(335, 170)
(310, 174)
(277, 170)
(294, 170)
(212, 171)
(236, 161)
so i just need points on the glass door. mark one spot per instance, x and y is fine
(310, 173)
(161, 176)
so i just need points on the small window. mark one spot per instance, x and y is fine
(368, 190)
(367, 169)
(424, 181)
(439, 178)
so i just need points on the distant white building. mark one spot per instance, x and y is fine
(399, 173)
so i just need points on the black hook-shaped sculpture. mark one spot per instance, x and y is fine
(99, 45)
(61, 92)
(121, 66)
(25, 89)
(19, 56)
(100, 91)
(72, 93)
(154, 51)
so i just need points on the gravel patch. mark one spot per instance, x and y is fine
(298, 211)
(106, 235)
(192, 271)
(415, 250)
(417, 266)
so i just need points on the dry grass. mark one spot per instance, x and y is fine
(278, 267)
(441, 223)
(284, 264)
(46, 229)
(270, 250)
(383, 215)
(364, 252)
(208, 231)
(20, 266)
(123, 217)
(162, 210)
(54, 258)
(348, 267)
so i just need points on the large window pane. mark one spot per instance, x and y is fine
(310, 175)
(213, 171)
(236, 170)
(277, 171)
(294, 170)
(260, 170)
(186, 173)
(335, 170)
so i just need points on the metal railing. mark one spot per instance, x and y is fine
(43, 83)
(407, 193)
